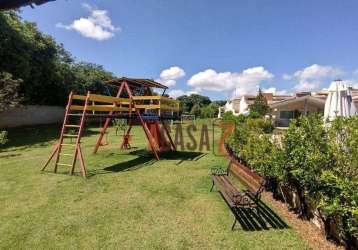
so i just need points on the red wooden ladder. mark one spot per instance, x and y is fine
(76, 151)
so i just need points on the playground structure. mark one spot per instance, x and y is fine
(134, 101)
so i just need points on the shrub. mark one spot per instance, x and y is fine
(340, 197)
(265, 125)
(306, 151)
(321, 163)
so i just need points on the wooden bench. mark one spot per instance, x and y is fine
(249, 198)
(254, 183)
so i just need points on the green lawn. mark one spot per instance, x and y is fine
(129, 201)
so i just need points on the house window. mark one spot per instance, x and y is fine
(287, 114)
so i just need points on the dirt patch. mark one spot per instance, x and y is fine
(306, 230)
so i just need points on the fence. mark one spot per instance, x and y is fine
(31, 115)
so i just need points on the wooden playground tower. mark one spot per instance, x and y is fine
(134, 101)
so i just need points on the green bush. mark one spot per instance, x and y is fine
(265, 125)
(340, 197)
(229, 116)
(320, 162)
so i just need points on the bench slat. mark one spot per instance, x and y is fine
(222, 189)
(227, 190)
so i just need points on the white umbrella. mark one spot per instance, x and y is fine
(339, 101)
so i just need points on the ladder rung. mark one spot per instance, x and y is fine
(74, 114)
(68, 135)
(67, 154)
(65, 144)
(64, 164)
(72, 126)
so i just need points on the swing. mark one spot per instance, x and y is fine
(122, 125)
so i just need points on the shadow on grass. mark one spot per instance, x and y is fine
(145, 158)
(257, 218)
(130, 165)
(181, 156)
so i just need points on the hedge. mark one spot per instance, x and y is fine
(317, 163)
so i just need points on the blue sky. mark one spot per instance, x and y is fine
(215, 48)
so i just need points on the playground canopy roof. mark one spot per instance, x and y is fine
(137, 82)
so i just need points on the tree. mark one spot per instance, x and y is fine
(260, 105)
(187, 102)
(200, 100)
(90, 77)
(209, 111)
(28, 54)
(9, 96)
(219, 102)
(196, 110)
(47, 70)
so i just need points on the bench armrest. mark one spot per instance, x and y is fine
(257, 194)
(242, 200)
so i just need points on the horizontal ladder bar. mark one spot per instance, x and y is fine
(66, 154)
(72, 126)
(68, 135)
(65, 144)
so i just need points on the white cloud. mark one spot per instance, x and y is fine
(269, 90)
(304, 85)
(172, 73)
(311, 77)
(175, 93)
(97, 25)
(241, 83)
(316, 71)
(169, 76)
(286, 77)
(168, 83)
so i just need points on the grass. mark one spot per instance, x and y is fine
(129, 201)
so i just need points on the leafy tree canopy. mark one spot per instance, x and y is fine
(8, 91)
(42, 71)
(187, 102)
(260, 106)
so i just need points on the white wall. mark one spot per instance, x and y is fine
(31, 115)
